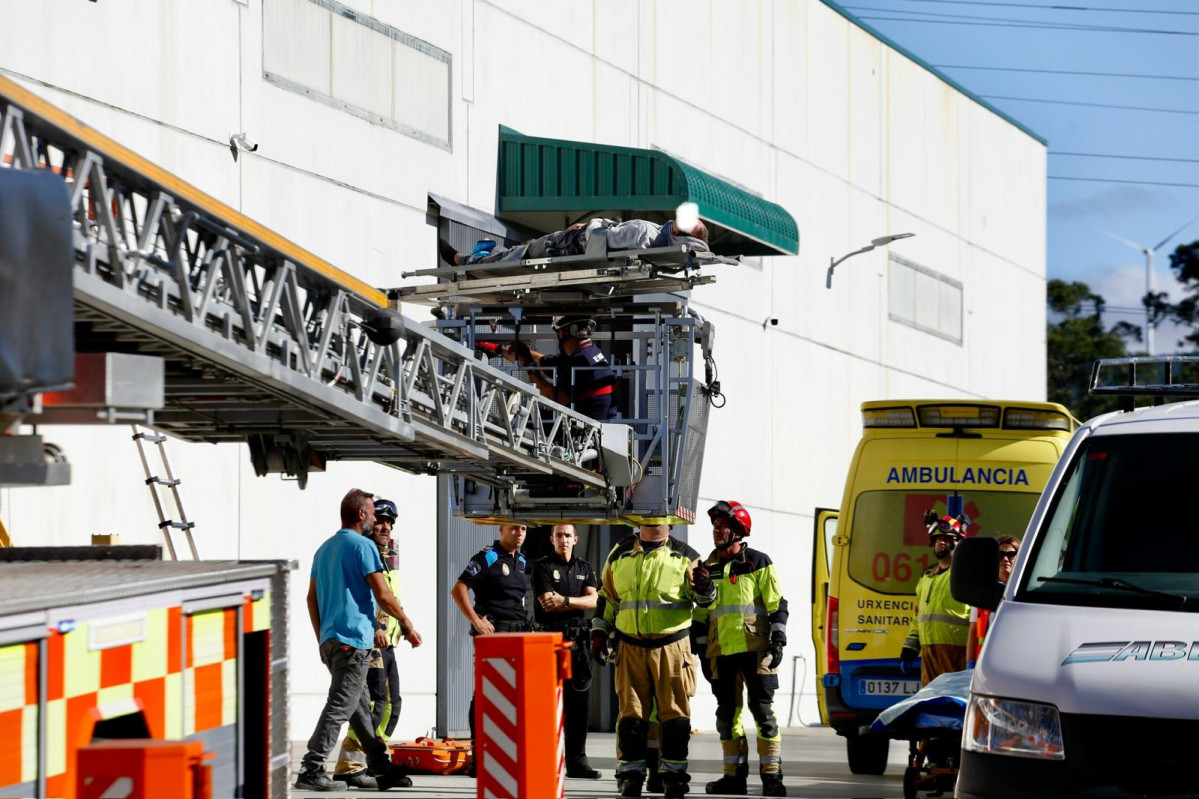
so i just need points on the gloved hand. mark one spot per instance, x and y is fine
(774, 656)
(522, 353)
(490, 347)
(701, 580)
(599, 647)
(907, 662)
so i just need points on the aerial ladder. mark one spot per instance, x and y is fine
(265, 343)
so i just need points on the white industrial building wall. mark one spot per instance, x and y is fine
(789, 99)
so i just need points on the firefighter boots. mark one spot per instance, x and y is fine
(772, 785)
(630, 785)
(734, 784)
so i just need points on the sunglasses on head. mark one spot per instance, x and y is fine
(1008, 554)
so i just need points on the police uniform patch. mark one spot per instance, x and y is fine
(473, 568)
(505, 569)
(557, 574)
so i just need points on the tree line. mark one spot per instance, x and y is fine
(1077, 334)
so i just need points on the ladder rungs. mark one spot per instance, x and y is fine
(176, 525)
(161, 482)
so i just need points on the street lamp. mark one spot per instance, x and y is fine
(881, 241)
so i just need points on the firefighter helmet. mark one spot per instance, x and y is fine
(575, 325)
(735, 512)
(952, 526)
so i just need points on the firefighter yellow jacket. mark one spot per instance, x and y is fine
(749, 609)
(940, 619)
(648, 593)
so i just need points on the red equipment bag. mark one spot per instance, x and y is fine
(431, 756)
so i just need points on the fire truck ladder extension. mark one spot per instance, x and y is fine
(264, 341)
(170, 481)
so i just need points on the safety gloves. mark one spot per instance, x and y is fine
(907, 662)
(774, 653)
(600, 650)
(701, 580)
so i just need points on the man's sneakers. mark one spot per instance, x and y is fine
(396, 777)
(310, 781)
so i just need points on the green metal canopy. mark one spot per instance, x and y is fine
(546, 184)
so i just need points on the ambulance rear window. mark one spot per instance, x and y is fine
(888, 547)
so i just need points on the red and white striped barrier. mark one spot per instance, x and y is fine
(521, 748)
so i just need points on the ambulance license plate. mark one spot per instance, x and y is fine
(888, 687)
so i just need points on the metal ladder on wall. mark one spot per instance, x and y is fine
(153, 481)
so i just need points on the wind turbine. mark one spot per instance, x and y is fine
(1149, 253)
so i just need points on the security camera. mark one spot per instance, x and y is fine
(241, 142)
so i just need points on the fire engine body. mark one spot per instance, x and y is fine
(100, 649)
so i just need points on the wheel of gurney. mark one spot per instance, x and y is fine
(911, 776)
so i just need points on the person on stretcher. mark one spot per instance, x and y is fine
(635, 234)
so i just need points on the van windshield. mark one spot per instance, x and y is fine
(1119, 533)
(888, 548)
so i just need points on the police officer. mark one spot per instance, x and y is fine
(566, 587)
(582, 377)
(499, 577)
(747, 630)
(650, 584)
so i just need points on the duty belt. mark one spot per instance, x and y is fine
(568, 626)
(653, 643)
(509, 626)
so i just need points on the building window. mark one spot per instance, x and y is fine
(332, 54)
(924, 299)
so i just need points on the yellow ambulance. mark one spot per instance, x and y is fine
(988, 460)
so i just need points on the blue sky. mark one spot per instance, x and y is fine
(951, 34)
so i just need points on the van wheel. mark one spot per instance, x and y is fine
(866, 753)
(911, 776)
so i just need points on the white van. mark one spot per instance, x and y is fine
(1088, 681)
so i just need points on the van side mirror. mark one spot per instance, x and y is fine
(973, 579)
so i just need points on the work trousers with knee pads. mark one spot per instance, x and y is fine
(646, 676)
(733, 676)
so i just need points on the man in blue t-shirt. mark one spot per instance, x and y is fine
(346, 581)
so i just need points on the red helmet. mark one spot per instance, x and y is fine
(735, 512)
(946, 525)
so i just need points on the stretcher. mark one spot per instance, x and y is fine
(432, 756)
(930, 720)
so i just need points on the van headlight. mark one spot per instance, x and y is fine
(1007, 727)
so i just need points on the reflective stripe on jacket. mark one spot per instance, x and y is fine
(648, 593)
(940, 619)
(392, 630)
(749, 605)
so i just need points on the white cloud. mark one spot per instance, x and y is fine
(1122, 288)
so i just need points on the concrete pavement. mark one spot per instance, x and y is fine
(813, 762)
